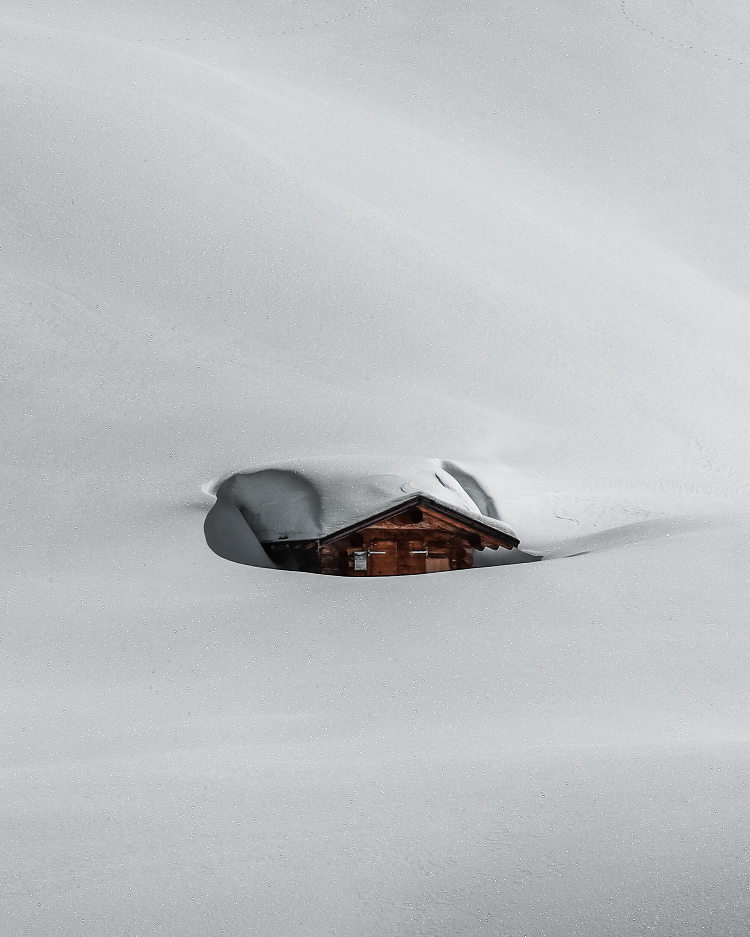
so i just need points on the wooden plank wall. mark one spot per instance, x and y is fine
(395, 547)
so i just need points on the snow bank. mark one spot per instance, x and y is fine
(312, 498)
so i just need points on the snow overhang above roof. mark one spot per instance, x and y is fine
(311, 499)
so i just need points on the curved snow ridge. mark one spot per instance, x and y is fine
(308, 499)
(628, 535)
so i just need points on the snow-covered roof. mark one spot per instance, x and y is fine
(309, 499)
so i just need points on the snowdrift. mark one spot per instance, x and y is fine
(311, 498)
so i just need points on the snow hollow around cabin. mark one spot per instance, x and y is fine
(261, 515)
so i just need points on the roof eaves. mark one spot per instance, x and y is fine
(372, 519)
(478, 525)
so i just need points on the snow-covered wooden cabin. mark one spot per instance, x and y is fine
(417, 536)
(356, 518)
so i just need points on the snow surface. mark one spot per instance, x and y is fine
(513, 236)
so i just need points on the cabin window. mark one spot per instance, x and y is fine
(360, 561)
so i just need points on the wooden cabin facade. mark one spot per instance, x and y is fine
(416, 536)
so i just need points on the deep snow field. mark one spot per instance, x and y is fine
(511, 234)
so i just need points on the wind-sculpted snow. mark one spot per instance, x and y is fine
(511, 234)
(316, 497)
(297, 254)
(552, 748)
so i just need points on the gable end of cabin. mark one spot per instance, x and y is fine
(414, 539)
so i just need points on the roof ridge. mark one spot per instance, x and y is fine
(476, 520)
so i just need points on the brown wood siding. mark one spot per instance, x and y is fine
(334, 560)
(416, 541)
(411, 558)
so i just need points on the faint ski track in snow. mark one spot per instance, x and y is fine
(676, 42)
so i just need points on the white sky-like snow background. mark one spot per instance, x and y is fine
(510, 234)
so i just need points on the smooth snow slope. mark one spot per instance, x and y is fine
(513, 236)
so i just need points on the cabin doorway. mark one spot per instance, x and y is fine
(397, 558)
(383, 558)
